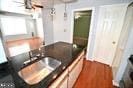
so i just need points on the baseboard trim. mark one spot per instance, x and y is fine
(90, 59)
(115, 83)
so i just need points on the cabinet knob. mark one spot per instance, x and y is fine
(113, 42)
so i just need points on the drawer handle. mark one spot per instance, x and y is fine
(54, 76)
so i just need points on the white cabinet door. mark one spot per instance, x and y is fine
(109, 27)
(81, 64)
(61, 81)
(64, 83)
(74, 73)
(73, 76)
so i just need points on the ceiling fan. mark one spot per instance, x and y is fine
(29, 4)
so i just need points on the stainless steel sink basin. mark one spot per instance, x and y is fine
(34, 73)
(50, 62)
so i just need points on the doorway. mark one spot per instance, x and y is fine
(82, 21)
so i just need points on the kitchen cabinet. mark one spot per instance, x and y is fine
(68, 78)
(61, 81)
(74, 72)
(64, 83)
(65, 53)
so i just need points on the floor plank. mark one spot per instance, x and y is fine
(94, 75)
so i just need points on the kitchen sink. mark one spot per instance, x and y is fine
(37, 71)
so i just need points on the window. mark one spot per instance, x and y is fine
(12, 6)
(13, 26)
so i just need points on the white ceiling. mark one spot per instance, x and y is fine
(45, 2)
(17, 6)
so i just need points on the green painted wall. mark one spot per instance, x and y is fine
(81, 26)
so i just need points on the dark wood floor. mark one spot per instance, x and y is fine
(95, 75)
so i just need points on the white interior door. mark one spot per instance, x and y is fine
(108, 31)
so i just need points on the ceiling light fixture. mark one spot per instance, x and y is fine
(65, 13)
(65, 10)
(52, 12)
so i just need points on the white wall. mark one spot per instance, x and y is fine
(47, 23)
(39, 28)
(48, 27)
(63, 31)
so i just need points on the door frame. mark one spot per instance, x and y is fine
(91, 26)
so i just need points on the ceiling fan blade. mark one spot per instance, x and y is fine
(33, 7)
(39, 6)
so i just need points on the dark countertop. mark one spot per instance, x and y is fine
(64, 52)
